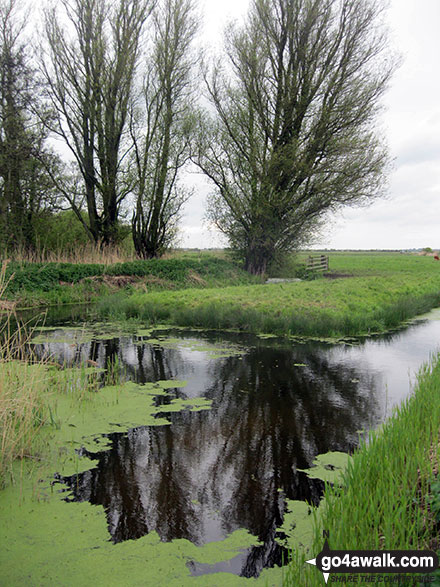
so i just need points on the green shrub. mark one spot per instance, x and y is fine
(174, 272)
(58, 232)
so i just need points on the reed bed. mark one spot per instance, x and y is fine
(29, 386)
(24, 409)
(86, 253)
(26, 391)
(390, 490)
(28, 401)
(23, 393)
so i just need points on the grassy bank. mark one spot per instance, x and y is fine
(33, 284)
(390, 496)
(379, 293)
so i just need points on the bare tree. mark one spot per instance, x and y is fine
(294, 134)
(162, 125)
(90, 67)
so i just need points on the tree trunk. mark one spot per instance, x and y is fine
(257, 259)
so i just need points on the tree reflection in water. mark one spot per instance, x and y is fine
(212, 472)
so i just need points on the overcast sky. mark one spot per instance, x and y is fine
(410, 216)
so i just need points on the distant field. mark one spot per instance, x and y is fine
(383, 290)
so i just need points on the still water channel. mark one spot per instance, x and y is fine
(276, 405)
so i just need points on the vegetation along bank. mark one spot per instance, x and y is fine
(388, 496)
(378, 292)
(33, 284)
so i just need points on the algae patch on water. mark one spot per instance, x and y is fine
(55, 543)
(117, 408)
(154, 336)
(328, 467)
(83, 333)
(297, 525)
(80, 413)
(213, 351)
(39, 529)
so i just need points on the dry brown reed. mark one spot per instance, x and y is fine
(88, 253)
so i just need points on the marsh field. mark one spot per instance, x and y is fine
(179, 422)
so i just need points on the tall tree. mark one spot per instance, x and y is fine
(24, 185)
(294, 134)
(90, 68)
(162, 125)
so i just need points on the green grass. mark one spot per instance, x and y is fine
(385, 290)
(389, 497)
(33, 284)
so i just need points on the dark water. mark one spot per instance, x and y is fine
(275, 407)
(67, 314)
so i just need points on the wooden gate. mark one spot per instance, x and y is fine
(317, 263)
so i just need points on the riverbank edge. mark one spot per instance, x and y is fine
(388, 496)
(287, 314)
(382, 293)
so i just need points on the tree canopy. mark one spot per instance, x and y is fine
(25, 187)
(293, 136)
(290, 134)
(90, 67)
